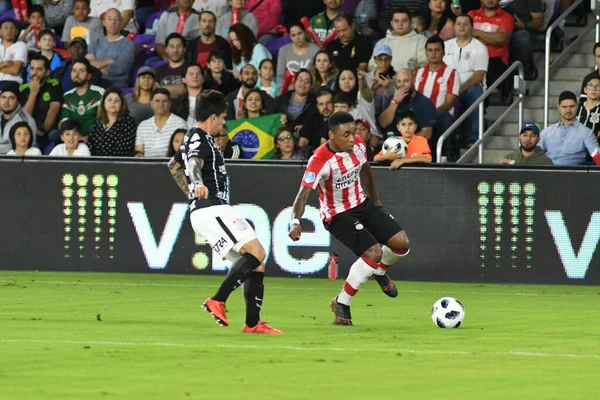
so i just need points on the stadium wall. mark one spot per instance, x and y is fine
(466, 224)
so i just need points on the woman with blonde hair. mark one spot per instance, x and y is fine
(113, 133)
(138, 101)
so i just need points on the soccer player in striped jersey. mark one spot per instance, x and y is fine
(199, 171)
(359, 221)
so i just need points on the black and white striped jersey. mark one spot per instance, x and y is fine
(200, 144)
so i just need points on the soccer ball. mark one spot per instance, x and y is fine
(447, 312)
(396, 145)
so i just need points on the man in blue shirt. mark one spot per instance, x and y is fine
(567, 141)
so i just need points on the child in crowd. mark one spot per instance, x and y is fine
(418, 149)
(70, 134)
(217, 77)
(266, 83)
(80, 24)
(421, 23)
(176, 141)
(37, 22)
(21, 139)
(47, 43)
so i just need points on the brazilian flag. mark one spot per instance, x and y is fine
(255, 135)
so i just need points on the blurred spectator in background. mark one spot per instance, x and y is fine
(389, 7)
(125, 8)
(568, 141)
(381, 79)
(81, 102)
(442, 20)
(296, 55)
(528, 19)
(528, 152)
(13, 54)
(198, 49)
(78, 51)
(294, 10)
(350, 50)
(235, 100)
(324, 71)
(21, 140)
(268, 15)
(37, 22)
(170, 21)
(176, 141)
(245, 49)
(217, 77)
(253, 105)
(80, 24)
(493, 27)
(138, 101)
(360, 95)
(184, 106)
(169, 75)
(42, 98)
(363, 129)
(295, 104)
(323, 23)
(153, 136)
(589, 108)
(406, 97)
(47, 44)
(464, 7)
(420, 24)
(286, 147)
(217, 7)
(245, 17)
(113, 133)
(113, 54)
(596, 56)
(12, 113)
(56, 13)
(408, 47)
(230, 150)
(469, 57)
(266, 78)
(70, 135)
(315, 131)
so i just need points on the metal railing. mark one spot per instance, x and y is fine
(565, 52)
(480, 104)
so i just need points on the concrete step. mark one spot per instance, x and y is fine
(491, 156)
(505, 143)
(535, 115)
(557, 86)
(579, 61)
(538, 101)
(569, 73)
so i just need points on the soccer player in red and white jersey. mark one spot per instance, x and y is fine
(356, 219)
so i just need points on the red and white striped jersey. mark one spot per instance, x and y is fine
(337, 178)
(435, 85)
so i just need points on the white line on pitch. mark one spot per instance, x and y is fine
(303, 348)
(307, 288)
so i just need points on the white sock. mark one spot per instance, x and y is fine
(359, 273)
(388, 258)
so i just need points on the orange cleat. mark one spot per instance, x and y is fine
(217, 310)
(262, 327)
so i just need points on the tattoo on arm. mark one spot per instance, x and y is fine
(366, 176)
(195, 170)
(300, 202)
(178, 176)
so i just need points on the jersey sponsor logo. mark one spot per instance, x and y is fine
(347, 179)
(359, 226)
(309, 177)
(220, 245)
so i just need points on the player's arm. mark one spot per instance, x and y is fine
(298, 211)
(195, 165)
(178, 175)
(368, 181)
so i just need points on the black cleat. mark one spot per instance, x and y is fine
(387, 285)
(342, 313)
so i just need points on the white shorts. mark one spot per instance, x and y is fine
(223, 229)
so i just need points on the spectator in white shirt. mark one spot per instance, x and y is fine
(154, 134)
(13, 54)
(125, 7)
(21, 139)
(70, 133)
(469, 57)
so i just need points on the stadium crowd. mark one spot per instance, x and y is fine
(121, 78)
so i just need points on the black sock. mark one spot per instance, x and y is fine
(240, 270)
(254, 291)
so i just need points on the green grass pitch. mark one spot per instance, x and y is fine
(127, 336)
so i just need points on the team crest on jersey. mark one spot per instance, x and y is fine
(195, 136)
(240, 223)
(309, 177)
(594, 118)
(194, 145)
(359, 153)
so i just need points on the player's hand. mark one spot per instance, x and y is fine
(295, 232)
(397, 163)
(201, 192)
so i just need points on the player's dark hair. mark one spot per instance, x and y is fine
(407, 113)
(174, 35)
(40, 57)
(160, 90)
(210, 102)
(70, 124)
(339, 118)
(433, 40)
(13, 131)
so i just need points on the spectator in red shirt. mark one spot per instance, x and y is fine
(493, 27)
(199, 48)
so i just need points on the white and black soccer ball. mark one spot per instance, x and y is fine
(396, 145)
(448, 312)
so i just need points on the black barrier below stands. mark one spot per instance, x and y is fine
(465, 224)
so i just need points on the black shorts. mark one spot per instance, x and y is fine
(363, 226)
